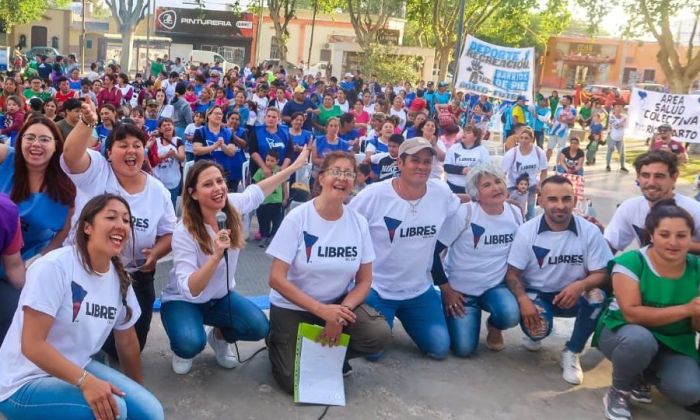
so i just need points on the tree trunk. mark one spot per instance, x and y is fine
(679, 84)
(443, 61)
(127, 49)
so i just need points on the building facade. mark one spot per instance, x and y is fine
(573, 60)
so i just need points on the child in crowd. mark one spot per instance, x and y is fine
(252, 115)
(386, 161)
(190, 95)
(271, 212)
(198, 118)
(592, 148)
(519, 195)
(364, 171)
(14, 118)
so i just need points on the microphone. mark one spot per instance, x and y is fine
(221, 222)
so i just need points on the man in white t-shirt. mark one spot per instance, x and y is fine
(618, 122)
(657, 173)
(405, 215)
(556, 264)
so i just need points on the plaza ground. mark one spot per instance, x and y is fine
(512, 384)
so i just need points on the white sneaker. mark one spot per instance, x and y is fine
(224, 355)
(181, 366)
(572, 372)
(531, 344)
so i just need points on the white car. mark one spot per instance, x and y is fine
(319, 67)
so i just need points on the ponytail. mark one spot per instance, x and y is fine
(124, 283)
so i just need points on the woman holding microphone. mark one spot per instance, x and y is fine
(206, 244)
(319, 250)
(77, 295)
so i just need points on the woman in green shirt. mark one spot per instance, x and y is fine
(648, 331)
(325, 112)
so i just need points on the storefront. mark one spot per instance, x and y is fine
(226, 33)
(584, 63)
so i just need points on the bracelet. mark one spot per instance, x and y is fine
(82, 379)
(90, 125)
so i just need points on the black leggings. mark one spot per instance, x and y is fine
(9, 297)
(456, 188)
(145, 292)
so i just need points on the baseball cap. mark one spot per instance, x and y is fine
(299, 89)
(442, 84)
(348, 74)
(415, 145)
(151, 102)
(431, 83)
(521, 98)
(664, 127)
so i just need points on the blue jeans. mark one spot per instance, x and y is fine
(234, 315)
(421, 317)
(585, 311)
(174, 194)
(562, 170)
(53, 398)
(464, 331)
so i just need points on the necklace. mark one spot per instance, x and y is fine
(412, 203)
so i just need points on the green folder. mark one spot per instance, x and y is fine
(310, 332)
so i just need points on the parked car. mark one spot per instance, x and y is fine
(319, 67)
(200, 56)
(49, 52)
(289, 67)
(653, 87)
(600, 93)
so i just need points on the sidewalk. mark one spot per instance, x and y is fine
(513, 384)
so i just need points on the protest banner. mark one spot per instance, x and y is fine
(496, 71)
(648, 110)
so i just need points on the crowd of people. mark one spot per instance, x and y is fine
(406, 215)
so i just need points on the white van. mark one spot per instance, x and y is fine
(200, 56)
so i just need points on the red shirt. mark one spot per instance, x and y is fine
(418, 104)
(61, 98)
(673, 146)
(113, 97)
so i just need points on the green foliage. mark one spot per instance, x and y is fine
(388, 66)
(17, 12)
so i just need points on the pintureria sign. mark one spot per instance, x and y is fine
(170, 20)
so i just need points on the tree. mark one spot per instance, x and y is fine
(128, 14)
(16, 12)
(680, 65)
(369, 18)
(281, 12)
(506, 22)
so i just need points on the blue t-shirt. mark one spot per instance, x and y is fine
(200, 107)
(236, 161)
(208, 138)
(40, 216)
(301, 139)
(323, 147)
(102, 135)
(596, 128)
(293, 106)
(350, 135)
(379, 148)
(150, 124)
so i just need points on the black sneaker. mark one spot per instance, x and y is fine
(624, 170)
(607, 169)
(347, 369)
(616, 405)
(641, 393)
(265, 242)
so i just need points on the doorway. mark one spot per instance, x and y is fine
(39, 36)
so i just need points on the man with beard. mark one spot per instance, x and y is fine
(657, 173)
(556, 266)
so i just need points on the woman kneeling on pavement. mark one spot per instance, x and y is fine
(199, 291)
(649, 328)
(320, 248)
(478, 239)
(73, 298)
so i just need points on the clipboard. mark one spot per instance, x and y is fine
(318, 370)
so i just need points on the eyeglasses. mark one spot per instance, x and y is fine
(31, 138)
(337, 173)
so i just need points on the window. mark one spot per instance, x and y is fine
(649, 75)
(54, 42)
(88, 44)
(325, 55)
(274, 48)
(629, 76)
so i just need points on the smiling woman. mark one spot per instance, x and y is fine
(152, 209)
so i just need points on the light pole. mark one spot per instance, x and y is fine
(313, 27)
(148, 40)
(458, 44)
(257, 37)
(82, 40)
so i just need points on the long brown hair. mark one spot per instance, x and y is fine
(192, 216)
(327, 162)
(56, 183)
(94, 206)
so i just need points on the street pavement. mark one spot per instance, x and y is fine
(512, 384)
